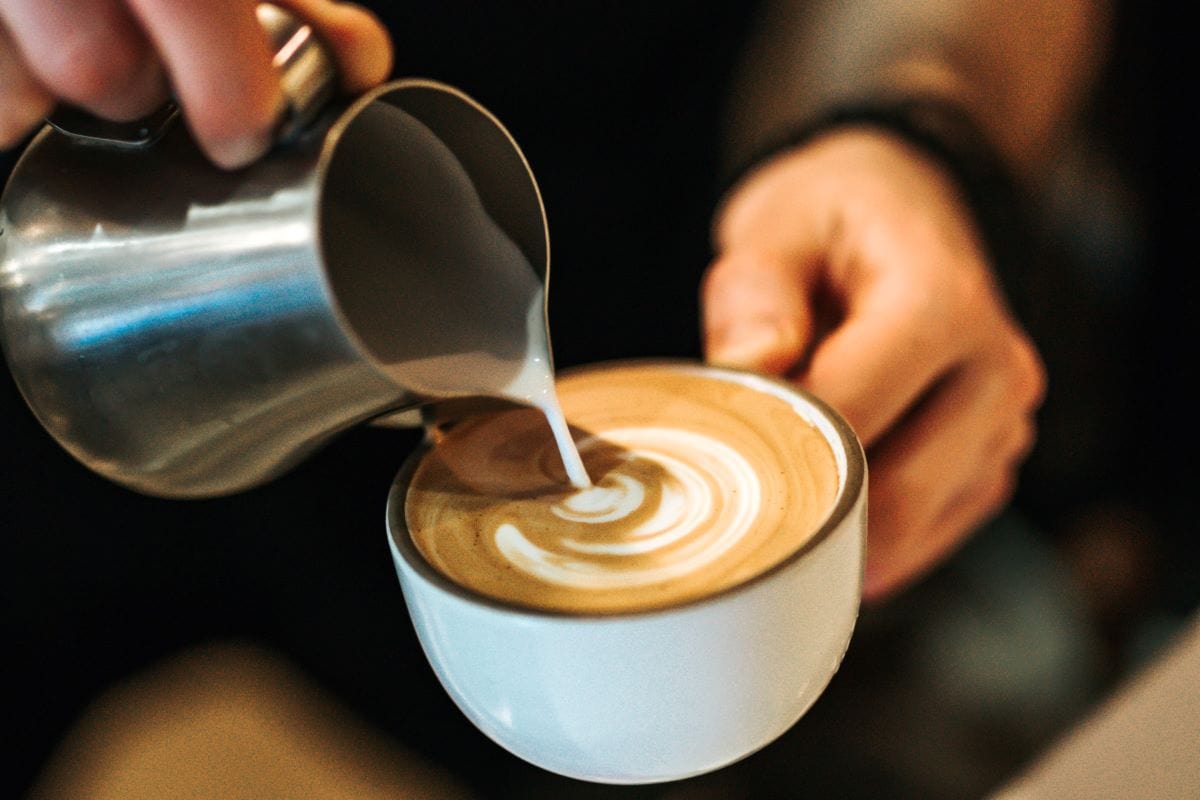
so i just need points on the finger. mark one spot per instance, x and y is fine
(962, 422)
(360, 43)
(220, 66)
(938, 476)
(90, 52)
(901, 562)
(757, 312)
(23, 101)
(888, 350)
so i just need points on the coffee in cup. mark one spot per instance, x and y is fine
(679, 615)
(698, 485)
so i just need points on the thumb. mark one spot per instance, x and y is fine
(756, 312)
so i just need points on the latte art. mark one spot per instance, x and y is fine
(698, 484)
(707, 495)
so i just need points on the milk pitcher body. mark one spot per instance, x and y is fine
(189, 332)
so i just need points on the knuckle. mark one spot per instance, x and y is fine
(1023, 441)
(997, 494)
(1027, 371)
(950, 310)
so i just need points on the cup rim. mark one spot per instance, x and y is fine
(849, 493)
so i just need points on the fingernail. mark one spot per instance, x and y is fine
(240, 151)
(746, 344)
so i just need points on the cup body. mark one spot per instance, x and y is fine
(189, 331)
(658, 695)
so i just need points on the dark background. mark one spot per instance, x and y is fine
(616, 110)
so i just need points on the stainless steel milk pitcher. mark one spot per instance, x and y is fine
(190, 332)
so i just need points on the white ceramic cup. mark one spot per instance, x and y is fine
(665, 694)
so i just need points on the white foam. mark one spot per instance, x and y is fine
(599, 504)
(710, 497)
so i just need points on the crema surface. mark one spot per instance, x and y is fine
(699, 482)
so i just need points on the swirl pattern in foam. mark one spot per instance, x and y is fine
(688, 521)
(700, 482)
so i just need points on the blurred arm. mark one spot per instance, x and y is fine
(1020, 68)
